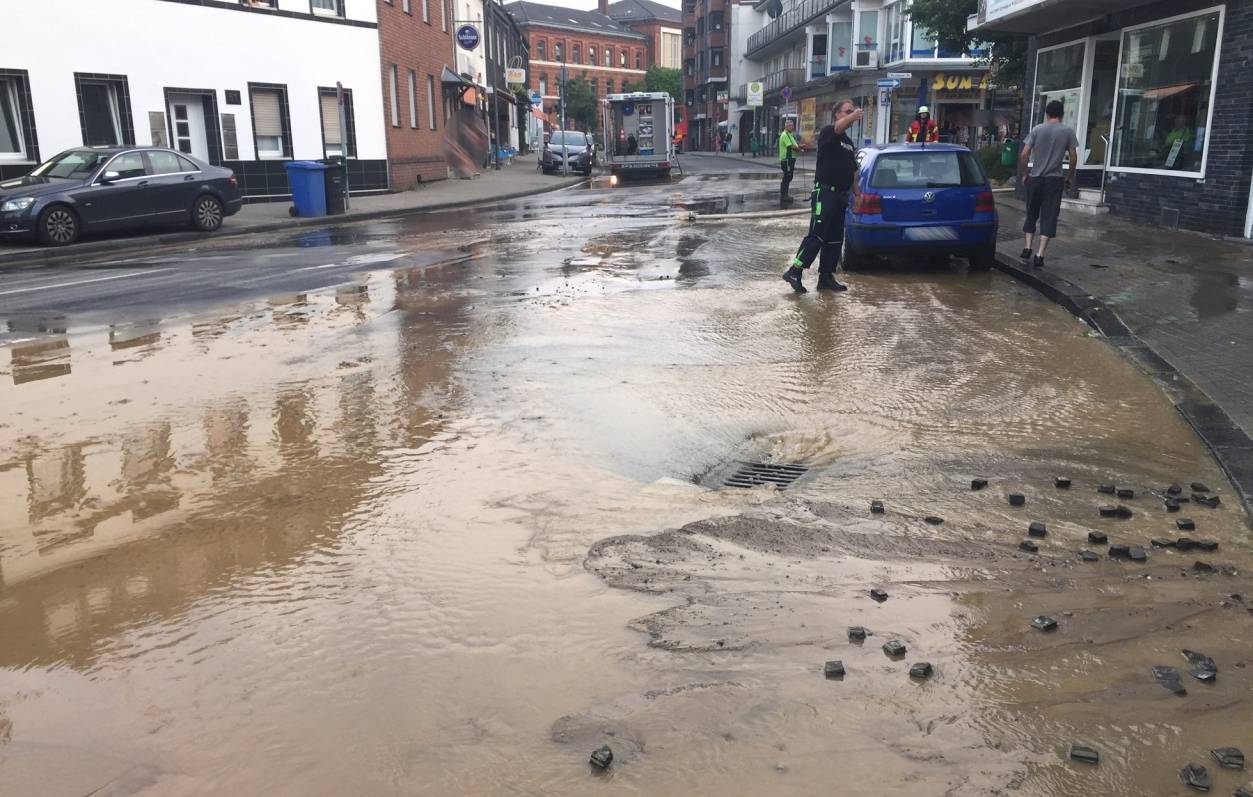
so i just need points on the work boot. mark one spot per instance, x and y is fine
(1038, 262)
(793, 277)
(827, 282)
(786, 199)
(1025, 254)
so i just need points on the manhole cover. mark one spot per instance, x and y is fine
(754, 474)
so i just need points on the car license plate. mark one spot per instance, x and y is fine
(930, 234)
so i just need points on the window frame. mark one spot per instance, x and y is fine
(335, 13)
(426, 11)
(23, 111)
(348, 147)
(414, 121)
(430, 102)
(284, 114)
(119, 85)
(1213, 88)
(393, 94)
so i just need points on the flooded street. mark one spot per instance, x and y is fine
(435, 506)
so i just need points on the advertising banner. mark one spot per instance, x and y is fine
(808, 133)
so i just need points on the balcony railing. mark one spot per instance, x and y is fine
(798, 15)
(784, 77)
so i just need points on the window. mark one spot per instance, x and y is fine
(543, 85)
(575, 54)
(413, 99)
(12, 134)
(1101, 92)
(622, 58)
(74, 164)
(595, 88)
(332, 134)
(1165, 89)
(104, 110)
(426, 11)
(926, 170)
(609, 87)
(715, 20)
(392, 96)
(557, 51)
(591, 55)
(639, 60)
(715, 58)
(269, 122)
(1059, 76)
(896, 32)
(922, 44)
(608, 56)
(327, 8)
(169, 163)
(840, 46)
(128, 165)
(671, 50)
(430, 102)
(868, 29)
(230, 138)
(406, 7)
(539, 49)
(444, 14)
(156, 129)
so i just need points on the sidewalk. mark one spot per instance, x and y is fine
(519, 180)
(805, 163)
(1179, 304)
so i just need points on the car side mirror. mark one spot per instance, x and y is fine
(109, 177)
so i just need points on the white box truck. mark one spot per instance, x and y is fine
(639, 133)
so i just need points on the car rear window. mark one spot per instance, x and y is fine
(926, 170)
(568, 138)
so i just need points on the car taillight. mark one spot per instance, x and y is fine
(234, 183)
(868, 203)
(985, 202)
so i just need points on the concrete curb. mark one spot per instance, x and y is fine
(1229, 444)
(76, 253)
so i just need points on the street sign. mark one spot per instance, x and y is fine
(513, 75)
(468, 37)
(724, 96)
(755, 94)
(888, 83)
(787, 93)
(900, 75)
(536, 99)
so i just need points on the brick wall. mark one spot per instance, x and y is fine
(542, 41)
(651, 29)
(1216, 204)
(414, 155)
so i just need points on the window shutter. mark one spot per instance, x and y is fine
(330, 120)
(265, 112)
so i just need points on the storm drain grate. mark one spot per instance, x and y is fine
(754, 474)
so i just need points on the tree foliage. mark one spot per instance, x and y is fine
(946, 19)
(580, 105)
(660, 78)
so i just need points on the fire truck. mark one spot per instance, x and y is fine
(639, 133)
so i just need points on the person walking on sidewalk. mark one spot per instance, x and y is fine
(1046, 145)
(836, 168)
(789, 148)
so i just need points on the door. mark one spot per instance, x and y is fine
(122, 202)
(188, 125)
(174, 184)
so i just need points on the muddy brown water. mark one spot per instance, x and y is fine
(403, 535)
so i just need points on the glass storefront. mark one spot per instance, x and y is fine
(1059, 76)
(1165, 83)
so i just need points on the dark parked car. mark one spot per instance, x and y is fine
(112, 188)
(570, 147)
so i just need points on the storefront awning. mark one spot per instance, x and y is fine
(451, 78)
(1042, 16)
(1166, 91)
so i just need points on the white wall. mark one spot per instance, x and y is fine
(157, 44)
(471, 62)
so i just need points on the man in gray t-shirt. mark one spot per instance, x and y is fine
(1046, 146)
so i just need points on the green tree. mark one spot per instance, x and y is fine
(660, 78)
(946, 19)
(580, 105)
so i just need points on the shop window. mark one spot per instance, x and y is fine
(1164, 92)
(1059, 76)
(1101, 92)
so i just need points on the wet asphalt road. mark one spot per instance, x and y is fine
(376, 510)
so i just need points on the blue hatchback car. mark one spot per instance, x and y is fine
(931, 199)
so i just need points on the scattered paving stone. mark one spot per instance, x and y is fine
(921, 670)
(1037, 529)
(1243, 791)
(1122, 512)
(1174, 489)
(1169, 678)
(1172, 505)
(833, 669)
(1137, 554)
(879, 595)
(1203, 675)
(1207, 545)
(978, 484)
(1106, 488)
(602, 757)
(1089, 556)
(857, 634)
(1061, 483)
(1084, 755)
(934, 520)
(1200, 661)
(1197, 487)
(1119, 551)
(1108, 511)
(1203, 567)
(1194, 776)
(1163, 542)
(1185, 543)
(876, 507)
(1185, 524)
(894, 647)
(1044, 623)
(1029, 546)
(1017, 499)
(1125, 492)
(1211, 501)
(1097, 537)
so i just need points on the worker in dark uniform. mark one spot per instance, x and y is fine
(837, 166)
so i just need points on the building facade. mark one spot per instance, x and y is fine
(416, 44)
(252, 87)
(588, 43)
(662, 25)
(706, 69)
(506, 48)
(1159, 97)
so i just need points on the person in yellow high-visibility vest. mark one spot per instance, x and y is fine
(789, 148)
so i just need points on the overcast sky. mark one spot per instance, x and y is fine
(591, 6)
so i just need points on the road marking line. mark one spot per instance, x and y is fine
(84, 282)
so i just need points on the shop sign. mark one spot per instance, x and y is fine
(723, 97)
(756, 93)
(468, 37)
(945, 82)
(515, 76)
(995, 9)
(805, 124)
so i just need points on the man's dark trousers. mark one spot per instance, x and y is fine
(826, 229)
(789, 169)
(1044, 202)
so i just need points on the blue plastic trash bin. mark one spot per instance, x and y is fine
(308, 187)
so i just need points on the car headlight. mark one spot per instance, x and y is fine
(15, 205)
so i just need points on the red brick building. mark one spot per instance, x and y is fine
(662, 25)
(415, 38)
(706, 67)
(590, 44)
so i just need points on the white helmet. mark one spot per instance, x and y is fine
(924, 109)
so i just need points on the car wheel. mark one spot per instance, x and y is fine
(58, 226)
(206, 214)
(854, 259)
(983, 259)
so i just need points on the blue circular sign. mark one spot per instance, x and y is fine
(468, 37)
(787, 93)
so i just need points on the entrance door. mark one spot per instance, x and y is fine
(188, 125)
